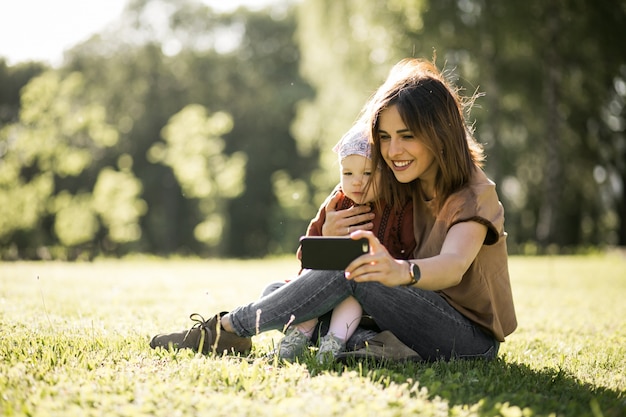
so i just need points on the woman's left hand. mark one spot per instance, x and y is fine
(378, 265)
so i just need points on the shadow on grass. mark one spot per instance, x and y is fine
(494, 383)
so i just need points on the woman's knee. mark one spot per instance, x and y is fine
(271, 288)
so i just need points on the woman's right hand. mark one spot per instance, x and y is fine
(377, 265)
(344, 222)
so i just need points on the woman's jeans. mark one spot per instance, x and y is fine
(365, 330)
(421, 319)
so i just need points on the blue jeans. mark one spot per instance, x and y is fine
(422, 320)
(364, 331)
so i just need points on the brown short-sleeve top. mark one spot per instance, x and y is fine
(484, 294)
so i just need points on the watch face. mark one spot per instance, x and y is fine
(415, 271)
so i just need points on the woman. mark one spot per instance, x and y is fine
(453, 298)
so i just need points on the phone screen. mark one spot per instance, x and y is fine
(331, 253)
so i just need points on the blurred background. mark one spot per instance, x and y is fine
(182, 128)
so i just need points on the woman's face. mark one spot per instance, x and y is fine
(406, 155)
(356, 173)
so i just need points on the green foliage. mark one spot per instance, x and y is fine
(21, 204)
(292, 79)
(194, 152)
(551, 139)
(58, 135)
(74, 342)
(243, 64)
(61, 130)
(193, 149)
(74, 222)
(12, 80)
(116, 199)
(347, 49)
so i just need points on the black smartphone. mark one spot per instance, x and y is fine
(331, 253)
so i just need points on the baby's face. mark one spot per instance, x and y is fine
(356, 173)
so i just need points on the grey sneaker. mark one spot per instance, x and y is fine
(292, 345)
(330, 347)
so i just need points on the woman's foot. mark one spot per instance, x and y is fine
(204, 336)
(330, 347)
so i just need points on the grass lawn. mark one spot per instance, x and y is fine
(74, 342)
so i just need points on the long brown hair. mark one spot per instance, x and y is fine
(434, 111)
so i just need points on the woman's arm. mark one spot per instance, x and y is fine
(445, 270)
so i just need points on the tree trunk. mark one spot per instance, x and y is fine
(546, 230)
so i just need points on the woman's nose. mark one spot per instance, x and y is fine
(395, 147)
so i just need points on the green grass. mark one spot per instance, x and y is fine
(74, 342)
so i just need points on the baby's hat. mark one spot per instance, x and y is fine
(354, 142)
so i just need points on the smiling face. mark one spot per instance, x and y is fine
(406, 155)
(356, 173)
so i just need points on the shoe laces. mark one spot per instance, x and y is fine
(295, 339)
(200, 323)
(292, 345)
(329, 344)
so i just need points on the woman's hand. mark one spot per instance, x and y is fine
(378, 265)
(439, 272)
(344, 222)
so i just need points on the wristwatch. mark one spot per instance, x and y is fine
(414, 272)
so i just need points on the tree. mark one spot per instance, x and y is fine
(347, 48)
(244, 64)
(549, 71)
(12, 79)
(194, 150)
(46, 181)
